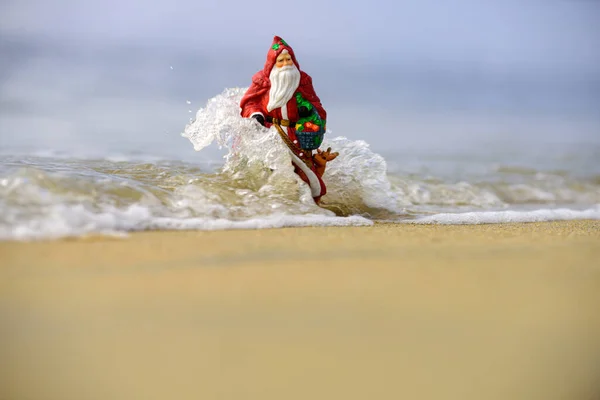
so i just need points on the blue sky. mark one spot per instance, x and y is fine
(98, 73)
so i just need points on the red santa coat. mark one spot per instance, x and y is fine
(256, 98)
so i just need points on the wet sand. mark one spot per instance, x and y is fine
(507, 311)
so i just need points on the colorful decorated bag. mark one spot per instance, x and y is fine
(309, 130)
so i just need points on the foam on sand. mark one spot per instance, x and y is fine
(501, 217)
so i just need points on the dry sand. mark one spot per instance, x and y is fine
(386, 312)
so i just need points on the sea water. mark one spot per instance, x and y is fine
(47, 194)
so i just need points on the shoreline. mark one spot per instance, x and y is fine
(490, 311)
(409, 224)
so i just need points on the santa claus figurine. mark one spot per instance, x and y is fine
(283, 96)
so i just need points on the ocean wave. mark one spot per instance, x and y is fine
(56, 195)
(54, 199)
(494, 191)
(83, 198)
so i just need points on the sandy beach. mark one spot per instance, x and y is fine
(508, 311)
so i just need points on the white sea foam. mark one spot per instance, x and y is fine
(74, 221)
(508, 216)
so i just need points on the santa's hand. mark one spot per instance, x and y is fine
(259, 118)
(323, 157)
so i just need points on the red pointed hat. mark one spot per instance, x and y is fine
(278, 46)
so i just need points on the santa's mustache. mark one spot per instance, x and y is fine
(284, 75)
(286, 68)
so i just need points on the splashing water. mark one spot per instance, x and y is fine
(356, 180)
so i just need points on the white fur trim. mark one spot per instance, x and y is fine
(256, 113)
(315, 185)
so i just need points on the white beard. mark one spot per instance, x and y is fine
(284, 82)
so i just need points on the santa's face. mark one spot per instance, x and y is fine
(284, 82)
(284, 60)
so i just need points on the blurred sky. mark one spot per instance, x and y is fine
(109, 75)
